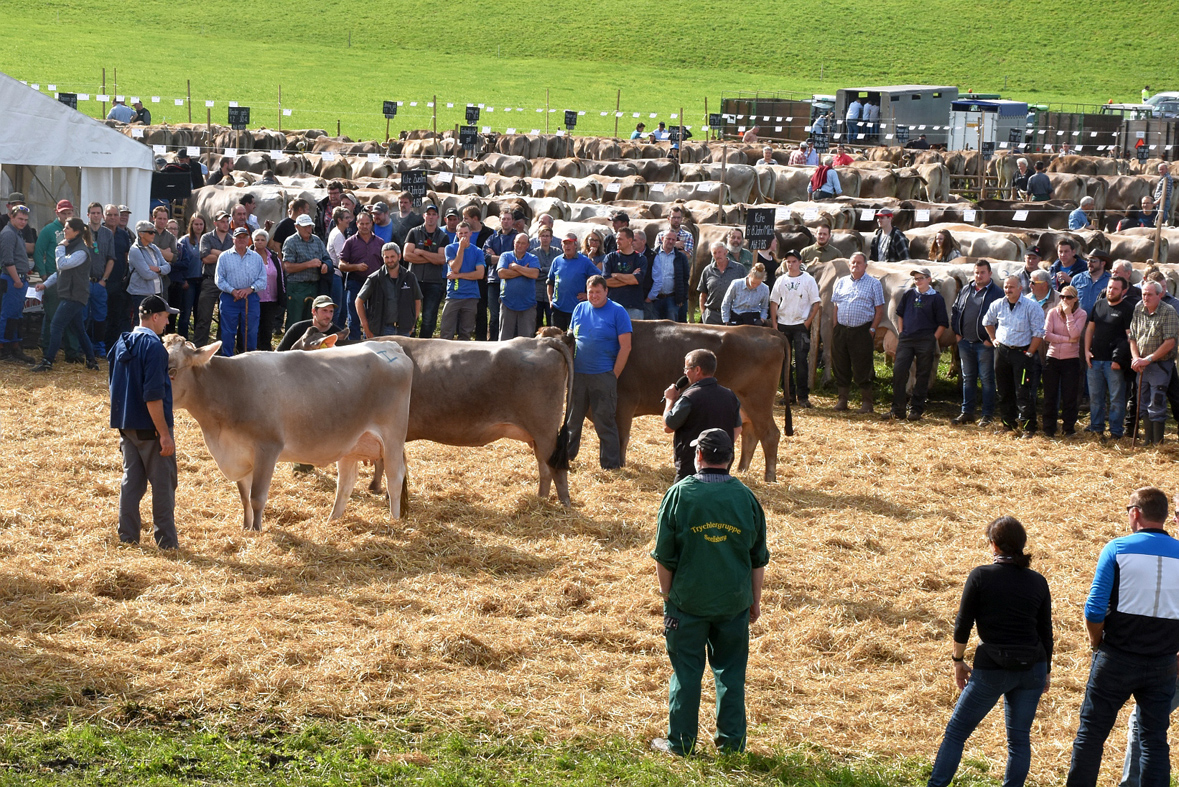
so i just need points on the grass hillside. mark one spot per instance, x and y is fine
(661, 56)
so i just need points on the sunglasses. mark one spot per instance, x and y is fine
(1068, 297)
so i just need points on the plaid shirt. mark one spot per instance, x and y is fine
(1151, 330)
(857, 300)
(296, 250)
(685, 236)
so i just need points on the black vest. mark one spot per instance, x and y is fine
(713, 407)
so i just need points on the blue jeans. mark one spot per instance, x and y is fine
(232, 312)
(432, 295)
(1113, 679)
(352, 287)
(662, 309)
(1021, 692)
(340, 315)
(978, 361)
(1104, 378)
(68, 315)
(1131, 768)
(12, 309)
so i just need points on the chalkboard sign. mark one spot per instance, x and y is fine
(239, 117)
(988, 151)
(570, 118)
(715, 120)
(69, 99)
(821, 143)
(902, 134)
(1141, 152)
(1015, 135)
(759, 228)
(414, 181)
(390, 109)
(472, 114)
(468, 135)
(673, 134)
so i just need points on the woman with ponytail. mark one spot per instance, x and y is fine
(72, 280)
(1012, 607)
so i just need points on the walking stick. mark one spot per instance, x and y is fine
(246, 320)
(1137, 413)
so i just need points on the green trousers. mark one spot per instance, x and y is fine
(298, 303)
(726, 645)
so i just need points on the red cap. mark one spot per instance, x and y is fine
(65, 204)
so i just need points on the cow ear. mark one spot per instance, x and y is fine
(205, 353)
(328, 341)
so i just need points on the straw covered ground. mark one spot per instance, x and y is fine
(486, 606)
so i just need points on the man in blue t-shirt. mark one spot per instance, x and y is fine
(518, 271)
(141, 409)
(602, 331)
(625, 270)
(567, 280)
(465, 264)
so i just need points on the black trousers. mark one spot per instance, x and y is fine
(924, 350)
(1013, 383)
(851, 355)
(1062, 379)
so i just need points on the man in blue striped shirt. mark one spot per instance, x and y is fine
(240, 275)
(1015, 324)
(1132, 617)
(858, 301)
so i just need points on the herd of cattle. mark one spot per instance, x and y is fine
(580, 182)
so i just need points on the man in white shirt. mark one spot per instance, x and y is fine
(794, 305)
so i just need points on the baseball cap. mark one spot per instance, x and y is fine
(182, 153)
(65, 204)
(323, 302)
(241, 231)
(714, 441)
(16, 198)
(1033, 252)
(304, 221)
(380, 207)
(518, 215)
(122, 209)
(569, 236)
(145, 226)
(154, 304)
(620, 215)
(452, 212)
(223, 215)
(429, 206)
(791, 253)
(884, 212)
(921, 272)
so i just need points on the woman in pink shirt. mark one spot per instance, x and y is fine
(1063, 326)
(273, 300)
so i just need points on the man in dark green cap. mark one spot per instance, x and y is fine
(710, 551)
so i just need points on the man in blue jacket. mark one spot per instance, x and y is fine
(974, 345)
(141, 409)
(1132, 617)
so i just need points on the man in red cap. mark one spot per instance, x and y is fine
(45, 264)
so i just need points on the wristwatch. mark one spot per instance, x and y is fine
(956, 659)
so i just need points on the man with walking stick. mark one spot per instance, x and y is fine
(239, 276)
(1154, 332)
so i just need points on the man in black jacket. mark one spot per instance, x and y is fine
(974, 345)
(390, 301)
(704, 404)
(888, 244)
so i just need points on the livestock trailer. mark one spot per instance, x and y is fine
(906, 112)
(977, 124)
(778, 116)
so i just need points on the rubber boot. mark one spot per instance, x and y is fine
(1155, 431)
(842, 403)
(865, 400)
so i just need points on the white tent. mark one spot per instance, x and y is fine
(50, 152)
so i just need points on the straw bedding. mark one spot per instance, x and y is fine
(486, 605)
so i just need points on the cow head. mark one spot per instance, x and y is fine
(315, 339)
(185, 355)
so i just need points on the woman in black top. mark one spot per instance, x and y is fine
(1013, 610)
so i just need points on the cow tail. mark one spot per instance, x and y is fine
(405, 492)
(787, 416)
(559, 460)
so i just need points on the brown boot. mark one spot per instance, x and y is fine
(865, 400)
(842, 403)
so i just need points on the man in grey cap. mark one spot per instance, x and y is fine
(382, 224)
(304, 260)
(618, 220)
(29, 233)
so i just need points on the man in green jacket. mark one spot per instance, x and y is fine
(710, 553)
(45, 264)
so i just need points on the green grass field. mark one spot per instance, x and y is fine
(660, 56)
